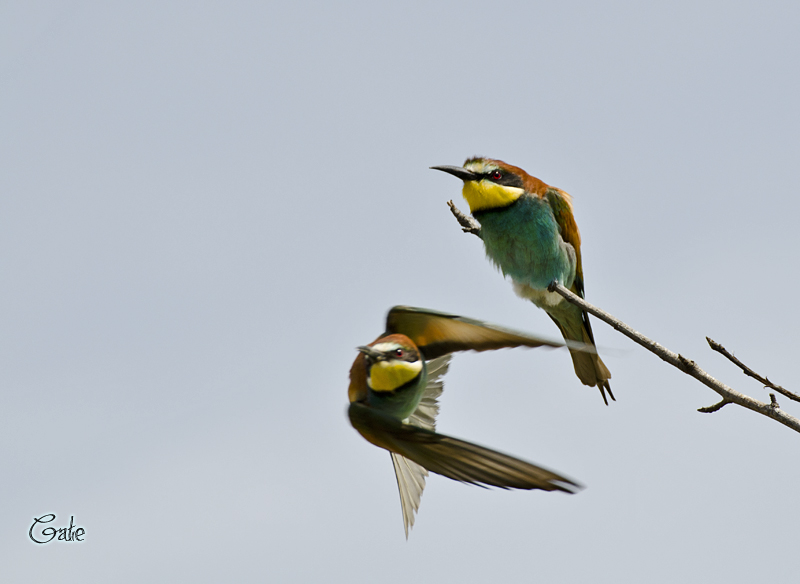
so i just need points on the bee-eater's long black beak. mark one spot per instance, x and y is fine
(372, 353)
(457, 171)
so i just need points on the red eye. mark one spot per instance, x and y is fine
(399, 352)
(497, 175)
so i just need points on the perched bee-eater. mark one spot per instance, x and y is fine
(394, 385)
(529, 232)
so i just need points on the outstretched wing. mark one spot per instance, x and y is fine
(456, 459)
(438, 333)
(410, 475)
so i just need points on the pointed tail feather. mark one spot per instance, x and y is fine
(590, 369)
(411, 483)
(410, 475)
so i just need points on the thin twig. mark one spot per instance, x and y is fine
(715, 407)
(689, 367)
(468, 224)
(750, 373)
(728, 395)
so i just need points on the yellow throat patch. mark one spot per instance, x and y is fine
(389, 375)
(488, 195)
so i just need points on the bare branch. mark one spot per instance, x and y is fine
(750, 373)
(728, 395)
(468, 224)
(689, 367)
(715, 408)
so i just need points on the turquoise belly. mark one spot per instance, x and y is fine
(524, 241)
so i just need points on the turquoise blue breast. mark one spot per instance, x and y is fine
(524, 241)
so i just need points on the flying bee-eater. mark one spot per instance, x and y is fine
(529, 232)
(394, 385)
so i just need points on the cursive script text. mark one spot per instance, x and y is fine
(49, 533)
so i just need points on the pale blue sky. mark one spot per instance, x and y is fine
(206, 206)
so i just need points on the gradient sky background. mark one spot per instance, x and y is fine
(206, 206)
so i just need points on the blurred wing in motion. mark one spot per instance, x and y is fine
(456, 459)
(438, 333)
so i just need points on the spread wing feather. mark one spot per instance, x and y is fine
(438, 333)
(427, 410)
(454, 458)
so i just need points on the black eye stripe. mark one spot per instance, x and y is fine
(506, 178)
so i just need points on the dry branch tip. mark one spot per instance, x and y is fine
(468, 224)
(728, 394)
(715, 408)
